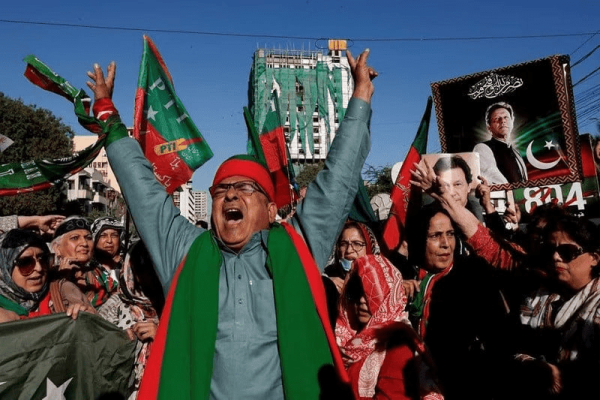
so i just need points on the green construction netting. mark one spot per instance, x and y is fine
(301, 92)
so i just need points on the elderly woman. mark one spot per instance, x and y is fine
(385, 358)
(24, 263)
(107, 234)
(73, 246)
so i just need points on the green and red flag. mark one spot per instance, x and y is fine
(55, 357)
(168, 136)
(401, 191)
(270, 148)
(29, 176)
(32, 175)
(41, 75)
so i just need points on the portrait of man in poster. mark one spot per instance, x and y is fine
(519, 120)
(500, 160)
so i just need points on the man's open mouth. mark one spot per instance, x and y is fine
(233, 215)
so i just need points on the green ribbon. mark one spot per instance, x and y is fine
(12, 306)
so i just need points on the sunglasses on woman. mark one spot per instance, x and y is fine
(27, 264)
(567, 252)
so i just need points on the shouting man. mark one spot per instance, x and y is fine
(243, 318)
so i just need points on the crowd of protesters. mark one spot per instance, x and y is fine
(86, 268)
(478, 306)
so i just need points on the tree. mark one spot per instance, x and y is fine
(309, 173)
(37, 134)
(379, 178)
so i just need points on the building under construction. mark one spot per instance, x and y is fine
(309, 89)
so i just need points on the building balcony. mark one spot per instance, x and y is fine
(99, 198)
(85, 194)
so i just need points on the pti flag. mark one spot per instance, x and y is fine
(401, 191)
(55, 357)
(32, 175)
(270, 147)
(170, 139)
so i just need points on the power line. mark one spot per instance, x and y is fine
(582, 44)
(586, 56)
(406, 39)
(587, 76)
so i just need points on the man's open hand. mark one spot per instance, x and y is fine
(101, 86)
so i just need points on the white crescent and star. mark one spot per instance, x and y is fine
(56, 393)
(540, 164)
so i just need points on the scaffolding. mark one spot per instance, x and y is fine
(312, 91)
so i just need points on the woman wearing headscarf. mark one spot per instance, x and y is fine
(136, 305)
(384, 356)
(24, 264)
(73, 246)
(107, 233)
(355, 241)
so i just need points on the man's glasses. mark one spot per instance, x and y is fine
(245, 188)
(354, 244)
(27, 264)
(567, 252)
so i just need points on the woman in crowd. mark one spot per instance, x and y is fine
(384, 356)
(73, 247)
(560, 355)
(558, 344)
(136, 305)
(24, 263)
(355, 241)
(458, 310)
(107, 233)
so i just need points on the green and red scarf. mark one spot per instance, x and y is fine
(180, 365)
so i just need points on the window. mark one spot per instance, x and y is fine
(300, 108)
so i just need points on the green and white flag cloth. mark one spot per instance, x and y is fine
(32, 175)
(57, 358)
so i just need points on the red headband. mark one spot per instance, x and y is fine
(249, 169)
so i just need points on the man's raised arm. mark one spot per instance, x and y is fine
(165, 232)
(321, 215)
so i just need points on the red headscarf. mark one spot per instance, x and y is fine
(382, 285)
